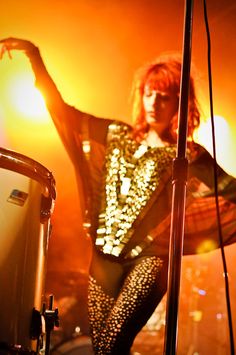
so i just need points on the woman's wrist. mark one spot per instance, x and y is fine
(32, 51)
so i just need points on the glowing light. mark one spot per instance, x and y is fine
(204, 133)
(219, 316)
(202, 292)
(206, 246)
(77, 329)
(27, 99)
(196, 315)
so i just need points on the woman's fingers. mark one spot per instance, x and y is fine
(6, 46)
(16, 43)
(11, 43)
(3, 50)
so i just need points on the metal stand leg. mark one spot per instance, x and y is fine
(51, 320)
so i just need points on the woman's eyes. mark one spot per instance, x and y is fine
(165, 97)
(160, 96)
(148, 94)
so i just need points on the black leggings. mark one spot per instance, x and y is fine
(121, 299)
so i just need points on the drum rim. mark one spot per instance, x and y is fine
(20, 163)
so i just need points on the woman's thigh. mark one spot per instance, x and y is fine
(109, 275)
(143, 286)
(142, 290)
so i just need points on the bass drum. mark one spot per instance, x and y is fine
(80, 345)
(27, 195)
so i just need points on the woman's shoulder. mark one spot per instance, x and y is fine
(197, 151)
(119, 125)
(118, 129)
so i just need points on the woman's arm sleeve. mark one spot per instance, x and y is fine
(203, 169)
(70, 122)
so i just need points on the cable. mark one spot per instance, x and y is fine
(216, 185)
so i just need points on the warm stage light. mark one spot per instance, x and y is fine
(204, 133)
(27, 99)
(206, 246)
(223, 140)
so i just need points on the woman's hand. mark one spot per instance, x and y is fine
(12, 43)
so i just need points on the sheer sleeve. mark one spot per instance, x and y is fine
(74, 128)
(202, 169)
(69, 121)
(201, 228)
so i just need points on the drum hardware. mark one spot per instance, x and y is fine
(6, 349)
(41, 324)
(36, 335)
(36, 327)
(46, 208)
(51, 319)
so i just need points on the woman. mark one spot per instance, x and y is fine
(125, 174)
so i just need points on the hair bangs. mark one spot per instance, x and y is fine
(163, 80)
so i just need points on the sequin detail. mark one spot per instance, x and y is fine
(132, 174)
(109, 319)
(99, 306)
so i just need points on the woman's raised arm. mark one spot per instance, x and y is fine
(43, 80)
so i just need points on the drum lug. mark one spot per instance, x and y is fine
(46, 209)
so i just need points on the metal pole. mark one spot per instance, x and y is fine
(179, 181)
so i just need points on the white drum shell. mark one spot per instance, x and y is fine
(24, 239)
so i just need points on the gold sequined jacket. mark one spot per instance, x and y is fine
(127, 186)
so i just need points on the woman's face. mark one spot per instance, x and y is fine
(159, 108)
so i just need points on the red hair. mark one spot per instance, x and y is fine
(164, 74)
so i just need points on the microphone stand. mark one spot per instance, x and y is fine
(179, 181)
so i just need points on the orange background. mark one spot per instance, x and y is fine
(92, 49)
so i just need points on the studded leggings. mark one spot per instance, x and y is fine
(121, 299)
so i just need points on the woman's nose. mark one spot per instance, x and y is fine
(154, 100)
